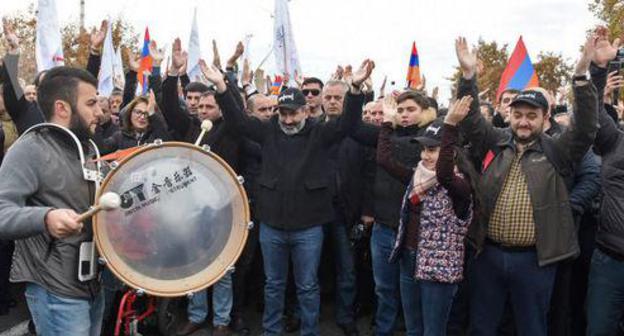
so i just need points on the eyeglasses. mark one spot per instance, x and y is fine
(314, 92)
(140, 113)
(507, 100)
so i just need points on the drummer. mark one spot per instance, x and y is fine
(294, 199)
(41, 188)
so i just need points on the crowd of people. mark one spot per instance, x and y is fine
(482, 218)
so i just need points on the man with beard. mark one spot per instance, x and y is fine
(106, 122)
(526, 226)
(294, 197)
(41, 191)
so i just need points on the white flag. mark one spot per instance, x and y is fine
(48, 44)
(119, 80)
(107, 68)
(285, 51)
(194, 53)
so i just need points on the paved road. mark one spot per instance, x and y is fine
(15, 324)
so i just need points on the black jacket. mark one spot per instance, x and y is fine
(347, 159)
(123, 139)
(23, 113)
(548, 165)
(294, 184)
(220, 139)
(388, 189)
(610, 144)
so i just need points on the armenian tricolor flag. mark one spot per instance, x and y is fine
(413, 71)
(277, 85)
(519, 73)
(145, 64)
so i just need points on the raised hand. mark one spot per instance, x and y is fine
(157, 53)
(458, 111)
(133, 60)
(468, 60)
(588, 54)
(214, 75)
(382, 89)
(365, 70)
(247, 74)
(216, 58)
(240, 49)
(298, 79)
(347, 75)
(178, 58)
(259, 80)
(151, 103)
(389, 107)
(604, 50)
(423, 84)
(11, 39)
(614, 82)
(97, 37)
(435, 93)
(337, 75)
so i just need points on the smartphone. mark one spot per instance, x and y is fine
(615, 66)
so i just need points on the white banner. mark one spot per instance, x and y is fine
(119, 79)
(107, 67)
(48, 43)
(284, 49)
(194, 53)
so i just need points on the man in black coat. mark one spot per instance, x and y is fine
(294, 196)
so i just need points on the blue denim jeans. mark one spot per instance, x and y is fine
(304, 246)
(54, 315)
(222, 298)
(336, 232)
(497, 273)
(436, 299)
(392, 279)
(605, 295)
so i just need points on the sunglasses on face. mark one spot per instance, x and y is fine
(314, 92)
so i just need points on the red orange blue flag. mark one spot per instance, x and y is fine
(277, 85)
(145, 65)
(413, 71)
(519, 73)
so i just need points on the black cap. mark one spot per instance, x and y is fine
(531, 97)
(433, 134)
(291, 99)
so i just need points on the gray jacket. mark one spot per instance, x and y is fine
(42, 171)
(547, 164)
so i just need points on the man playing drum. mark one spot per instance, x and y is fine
(42, 187)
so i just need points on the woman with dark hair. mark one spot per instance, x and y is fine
(436, 212)
(141, 125)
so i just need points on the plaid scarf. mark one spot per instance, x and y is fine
(421, 182)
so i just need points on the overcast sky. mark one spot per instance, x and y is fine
(331, 32)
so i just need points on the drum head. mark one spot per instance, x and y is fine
(182, 222)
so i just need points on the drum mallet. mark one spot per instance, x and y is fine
(108, 201)
(206, 126)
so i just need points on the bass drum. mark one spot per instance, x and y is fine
(182, 223)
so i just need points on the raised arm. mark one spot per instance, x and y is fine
(481, 134)
(608, 132)
(457, 186)
(233, 115)
(23, 113)
(576, 139)
(385, 158)
(97, 38)
(177, 117)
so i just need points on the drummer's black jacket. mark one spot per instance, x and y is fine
(294, 183)
(220, 139)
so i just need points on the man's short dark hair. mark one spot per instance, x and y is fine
(196, 87)
(312, 80)
(116, 92)
(509, 90)
(61, 83)
(420, 99)
(209, 93)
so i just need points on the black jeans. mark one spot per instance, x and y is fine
(6, 256)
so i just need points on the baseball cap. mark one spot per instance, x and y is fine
(291, 99)
(433, 134)
(531, 97)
